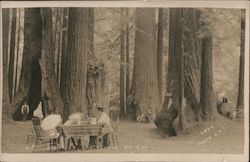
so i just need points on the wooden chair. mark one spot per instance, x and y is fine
(112, 137)
(71, 132)
(42, 141)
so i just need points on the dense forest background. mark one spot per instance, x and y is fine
(70, 59)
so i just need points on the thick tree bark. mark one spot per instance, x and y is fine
(176, 50)
(5, 27)
(183, 80)
(160, 50)
(165, 118)
(122, 68)
(47, 65)
(30, 79)
(240, 101)
(93, 73)
(192, 59)
(59, 47)
(75, 86)
(12, 55)
(64, 60)
(91, 24)
(206, 100)
(144, 88)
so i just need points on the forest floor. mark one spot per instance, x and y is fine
(224, 136)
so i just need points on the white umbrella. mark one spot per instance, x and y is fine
(51, 122)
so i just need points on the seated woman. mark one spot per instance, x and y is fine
(104, 120)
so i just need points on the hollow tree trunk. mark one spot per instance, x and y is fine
(12, 55)
(240, 101)
(5, 27)
(144, 88)
(75, 86)
(47, 65)
(29, 88)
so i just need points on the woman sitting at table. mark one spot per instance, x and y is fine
(104, 120)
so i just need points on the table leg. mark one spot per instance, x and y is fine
(66, 143)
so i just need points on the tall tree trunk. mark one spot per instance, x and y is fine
(122, 68)
(59, 48)
(47, 64)
(95, 71)
(144, 88)
(160, 50)
(240, 101)
(64, 60)
(75, 87)
(165, 118)
(18, 35)
(12, 55)
(183, 80)
(127, 55)
(5, 27)
(206, 100)
(91, 24)
(29, 88)
(192, 60)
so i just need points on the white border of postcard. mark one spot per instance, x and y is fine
(137, 156)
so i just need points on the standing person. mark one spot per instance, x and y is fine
(25, 110)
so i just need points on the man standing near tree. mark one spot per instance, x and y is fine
(25, 110)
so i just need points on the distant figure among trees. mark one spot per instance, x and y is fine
(25, 110)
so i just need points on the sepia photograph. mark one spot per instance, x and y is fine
(128, 79)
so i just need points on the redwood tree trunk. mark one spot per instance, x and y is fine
(47, 65)
(95, 71)
(165, 118)
(91, 24)
(64, 60)
(206, 100)
(240, 101)
(75, 86)
(5, 27)
(160, 50)
(29, 88)
(144, 88)
(122, 68)
(18, 35)
(183, 80)
(12, 55)
(127, 56)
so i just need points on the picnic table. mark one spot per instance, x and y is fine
(72, 132)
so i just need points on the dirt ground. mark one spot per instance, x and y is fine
(222, 136)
